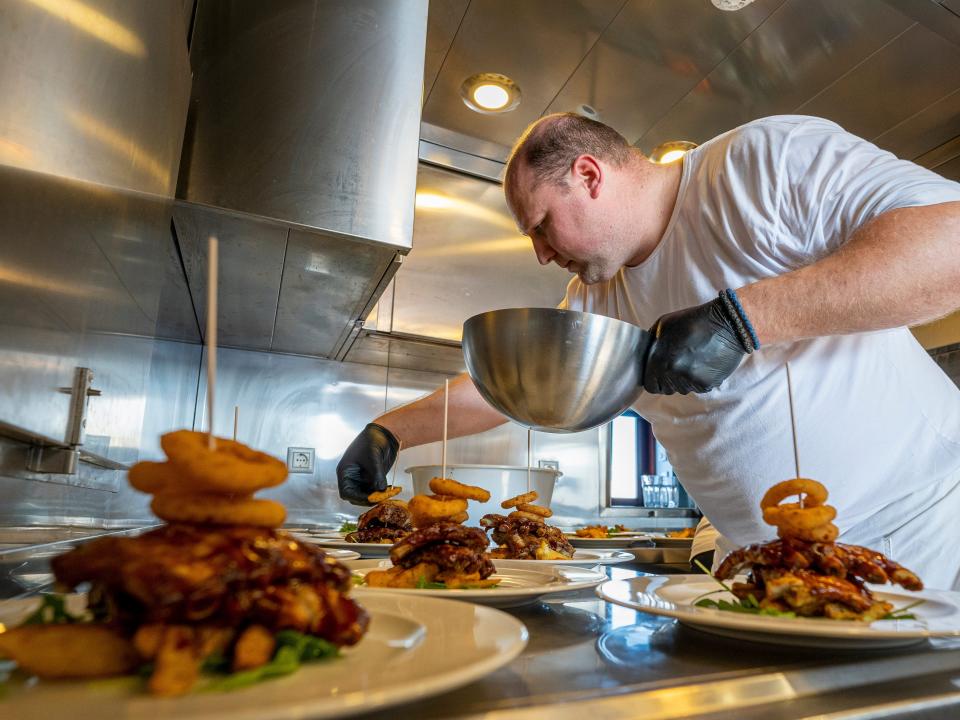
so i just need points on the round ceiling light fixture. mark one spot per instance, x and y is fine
(730, 5)
(490, 93)
(671, 151)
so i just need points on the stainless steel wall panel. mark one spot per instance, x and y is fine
(913, 71)
(469, 258)
(537, 43)
(289, 401)
(89, 258)
(251, 253)
(407, 353)
(94, 92)
(308, 112)
(801, 48)
(148, 387)
(651, 55)
(327, 282)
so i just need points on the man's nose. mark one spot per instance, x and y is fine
(544, 252)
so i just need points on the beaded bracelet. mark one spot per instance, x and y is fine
(742, 335)
(743, 316)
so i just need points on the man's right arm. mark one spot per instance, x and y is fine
(421, 421)
(364, 466)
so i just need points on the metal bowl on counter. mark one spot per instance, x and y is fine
(555, 370)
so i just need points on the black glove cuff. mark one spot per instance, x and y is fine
(391, 439)
(736, 321)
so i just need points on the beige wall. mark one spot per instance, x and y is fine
(945, 331)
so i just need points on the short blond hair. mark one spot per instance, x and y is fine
(550, 145)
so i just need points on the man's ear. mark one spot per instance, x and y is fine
(587, 172)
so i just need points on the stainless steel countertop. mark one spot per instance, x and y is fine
(589, 659)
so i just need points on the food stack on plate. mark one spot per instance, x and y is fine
(219, 586)
(441, 550)
(524, 533)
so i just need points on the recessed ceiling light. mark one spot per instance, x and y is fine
(730, 5)
(490, 93)
(671, 151)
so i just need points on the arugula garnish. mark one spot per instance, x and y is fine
(53, 611)
(293, 648)
(348, 527)
(422, 584)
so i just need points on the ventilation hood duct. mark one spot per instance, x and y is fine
(301, 158)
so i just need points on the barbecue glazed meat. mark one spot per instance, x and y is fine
(835, 559)
(815, 579)
(523, 539)
(455, 550)
(230, 576)
(385, 522)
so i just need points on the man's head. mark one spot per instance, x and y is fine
(567, 186)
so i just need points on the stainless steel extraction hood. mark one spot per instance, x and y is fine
(301, 158)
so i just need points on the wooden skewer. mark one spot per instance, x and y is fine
(212, 252)
(443, 449)
(529, 454)
(793, 428)
(236, 420)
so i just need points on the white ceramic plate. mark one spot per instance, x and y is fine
(519, 585)
(417, 646)
(673, 596)
(342, 555)
(618, 541)
(580, 557)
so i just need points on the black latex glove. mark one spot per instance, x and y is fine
(365, 463)
(693, 350)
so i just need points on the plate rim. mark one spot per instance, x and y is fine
(836, 629)
(377, 697)
(470, 594)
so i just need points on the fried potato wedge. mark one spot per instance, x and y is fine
(69, 651)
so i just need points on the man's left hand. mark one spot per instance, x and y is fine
(693, 350)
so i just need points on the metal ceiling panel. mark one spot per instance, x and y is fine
(443, 21)
(537, 43)
(907, 75)
(468, 258)
(929, 128)
(328, 284)
(251, 253)
(803, 47)
(651, 55)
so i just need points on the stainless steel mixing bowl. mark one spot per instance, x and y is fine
(555, 370)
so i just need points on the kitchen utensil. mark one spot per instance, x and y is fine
(555, 370)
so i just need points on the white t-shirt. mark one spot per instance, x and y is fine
(877, 419)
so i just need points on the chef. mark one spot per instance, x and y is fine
(784, 240)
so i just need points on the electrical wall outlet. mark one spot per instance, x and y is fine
(300, 459)
(549, 464)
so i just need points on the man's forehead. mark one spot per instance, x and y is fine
(523, 198)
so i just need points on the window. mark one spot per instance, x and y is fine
(632, 453)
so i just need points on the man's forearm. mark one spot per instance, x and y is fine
(901, 268)
(422, 420)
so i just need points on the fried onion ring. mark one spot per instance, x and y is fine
(810, 521)
(218, 510)
(449, 486)
(379, 497)
(428, 509)
(460, 518)
(524, 499)
(814, 493)
(792, 516)
(523, 515)
(230, 468)
(154, 477)
(535, 510)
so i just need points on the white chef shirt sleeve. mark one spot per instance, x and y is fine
(831, 183)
